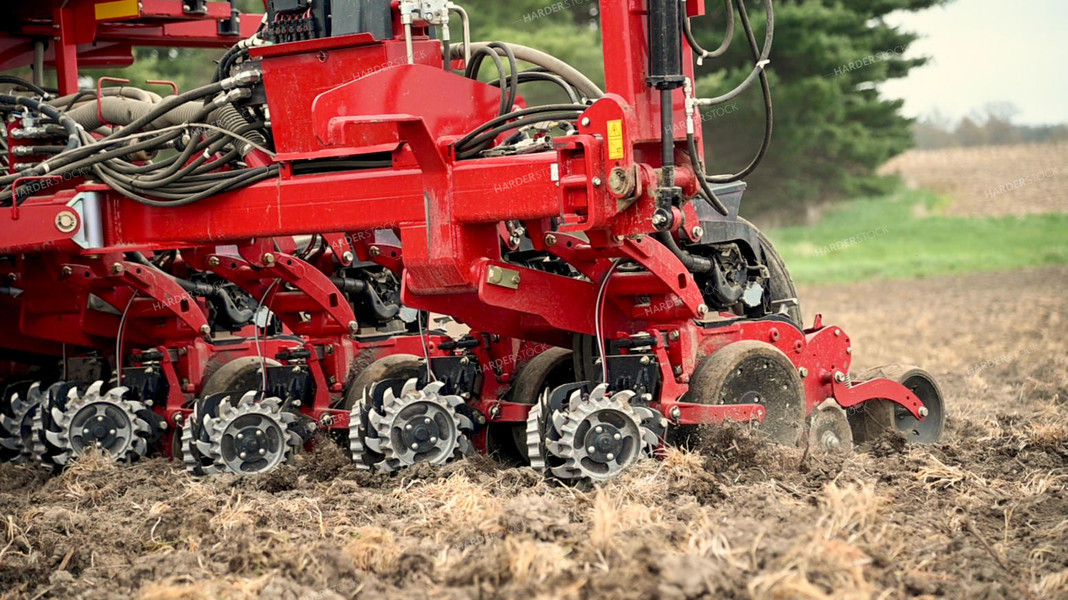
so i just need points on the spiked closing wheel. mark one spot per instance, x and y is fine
(874, 417)
(98, 420)
(390, 431)
(16, 421)
(595, 437)
(751, 372)
(252, 437)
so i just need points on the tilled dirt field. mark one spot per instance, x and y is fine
(990, 181)
(982, 515)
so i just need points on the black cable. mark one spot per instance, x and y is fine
(472, 73)
(758, 68)
(702, 181)
(769, 110)
(541, 75)
(490, 50)
(479, 143)
(26, 85)
(68, 124)
(468, 140)
(728, 36)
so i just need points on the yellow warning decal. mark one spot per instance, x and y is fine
(118, 9)
(615, 140)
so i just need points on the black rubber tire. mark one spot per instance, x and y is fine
(241, 374)
(781, 284)
(783, 397)
(871, 420)
(396, 366)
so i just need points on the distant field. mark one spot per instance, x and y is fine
(991, 181)
(912, 234)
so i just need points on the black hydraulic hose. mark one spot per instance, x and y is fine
(728, 36)
(471, 142)
(479, 143)
(382, 311)
(511, 78)
(68, 124)
(761, 61)
(160, 109)
(240, 178)
(539, 75)
(769, 110)
(693, 264)
(26, 85)
(699, 170)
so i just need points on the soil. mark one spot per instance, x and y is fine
(983, 514)
(990, 181)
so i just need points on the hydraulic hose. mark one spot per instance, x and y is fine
(769, 109)
(68, 124)
(693, 264)
(381, 311)
(761, 61)
(728, 36)
(550, 63)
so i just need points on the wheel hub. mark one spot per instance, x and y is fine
(604, 442)
(253, 437)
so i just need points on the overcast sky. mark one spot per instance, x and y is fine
(989, 51)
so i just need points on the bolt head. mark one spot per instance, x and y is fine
(244, 455)
(585, 121)
(347, 257)
(66, 271)
(66, 221)
(803, 372)
(675, 413)
(597, 182)
(550, 239)
(839, 377)
(674, 335)
(117, 268)
(698, 231)
(924, 412)
(213, 261)
(374, 251)
(610, 456)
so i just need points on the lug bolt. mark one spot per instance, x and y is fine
(591, 449)
(433, 439)
(263, 451)
(415, 446)
(599, 429)
(408, 427)
(240, 436)
(617, 437)
(610, 456)
(244, 455)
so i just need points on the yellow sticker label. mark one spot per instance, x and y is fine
(615, 140)
(118, 9)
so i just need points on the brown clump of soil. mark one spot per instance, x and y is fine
(983, 514)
